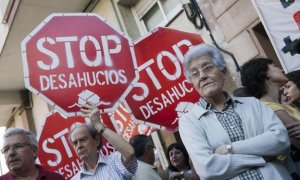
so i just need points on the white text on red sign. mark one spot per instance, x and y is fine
(83, 79)
(175, 93)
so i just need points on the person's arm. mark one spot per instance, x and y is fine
(126, 150)
(292, 125)
(294, 130)
(193, 175)
(207, 164)
(164, 174)
(274, 140)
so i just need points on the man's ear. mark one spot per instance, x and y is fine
(225, 72)
(35, 152)
(98, 140)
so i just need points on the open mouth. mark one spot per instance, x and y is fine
(175, 161)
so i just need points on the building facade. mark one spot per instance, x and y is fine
(234, 24)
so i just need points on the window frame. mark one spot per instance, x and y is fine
(167, 18)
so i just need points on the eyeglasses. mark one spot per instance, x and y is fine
(14, 147)
(195, 73)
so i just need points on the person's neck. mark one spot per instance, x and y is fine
(272, 94)
(91, 163)
(217, 101)
(27, 174)
(183, 168)
(145, 160)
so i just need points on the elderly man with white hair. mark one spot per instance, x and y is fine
(20, 150)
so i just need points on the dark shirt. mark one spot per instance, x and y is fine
(43, 175)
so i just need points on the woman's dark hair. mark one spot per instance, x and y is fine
(241, 92)
(254, 76)
(139, 143)
(184, 152)
(294, 76)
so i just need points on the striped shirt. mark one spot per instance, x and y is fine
(109, 168)
(232, 123)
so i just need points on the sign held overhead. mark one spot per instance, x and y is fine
(71, 58)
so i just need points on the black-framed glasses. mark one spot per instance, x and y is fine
(14, 147)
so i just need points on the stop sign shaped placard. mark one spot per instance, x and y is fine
(71, 58)
(125, 126)
(55, 151)
(162, 94)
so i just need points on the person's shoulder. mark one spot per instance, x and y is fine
(243, 98)
(246, 100)
(193, 111)
(112, 157)
(76, 176)
(53, 175)
(275, 106)
(49, 174)
(6, 176)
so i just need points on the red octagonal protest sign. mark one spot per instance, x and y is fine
(162, 94)
(55, 151)
(125, 126)
(71, 58)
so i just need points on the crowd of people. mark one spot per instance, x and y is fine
(252, 134)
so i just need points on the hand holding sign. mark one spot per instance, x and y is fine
(90, 110)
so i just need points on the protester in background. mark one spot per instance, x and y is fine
(241, 92)
(20, 150)
(144, 152)
(179, 167)
(86, 141)
(291, 89)
(263, 80)
(229, 137)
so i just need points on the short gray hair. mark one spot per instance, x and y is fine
(93, 132)
(30, 137)
(199, 51)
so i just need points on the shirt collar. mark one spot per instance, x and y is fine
(146, 164)
(41, 174)
(229, 100)
(101, 160)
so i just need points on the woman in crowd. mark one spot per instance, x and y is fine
(229, 137)
(179, 167)
(291, 92)
(291, 89)
(263, 80)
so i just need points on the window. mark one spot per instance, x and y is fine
(154, 13)
(5, 9)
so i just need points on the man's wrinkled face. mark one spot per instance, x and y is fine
(83, 143)
(19, 154)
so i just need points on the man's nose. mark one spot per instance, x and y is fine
(11, 152)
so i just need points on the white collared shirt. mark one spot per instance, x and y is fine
(146, 172)
(108, 167)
